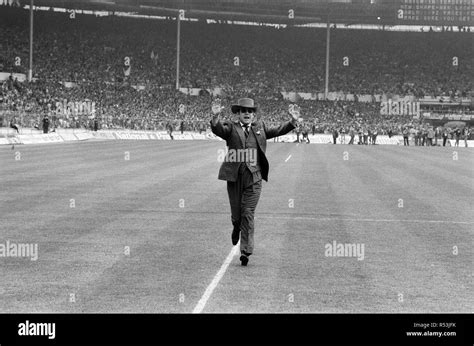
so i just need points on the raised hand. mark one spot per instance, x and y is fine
(216, 107)
(294, 111)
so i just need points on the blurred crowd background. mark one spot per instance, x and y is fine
(90, 52)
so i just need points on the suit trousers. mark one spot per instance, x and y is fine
(244, 194)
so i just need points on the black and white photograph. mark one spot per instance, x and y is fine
(217, 162)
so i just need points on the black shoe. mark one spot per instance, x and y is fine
(235, 235)
(244, 259)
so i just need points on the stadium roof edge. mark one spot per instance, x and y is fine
(274, 10)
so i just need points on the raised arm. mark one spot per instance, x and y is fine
(281, 130)
(284, 128)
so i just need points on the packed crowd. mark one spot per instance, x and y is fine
(256, 58)
(159, 108)
(116, 106)
(92, 53)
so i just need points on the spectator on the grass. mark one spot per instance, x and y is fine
(304, 133)
(430, 135)
(390, 132)
(466, 133)
(298, 131)
(366, 135)
(406, 133)
(374, 136)
(417, 136)
(457, 135)
(169, 128)
(424, 135)
(335, 134)
(45, 124)
(343, 135)
(352, 135)
(445, 135)
(14, 125)
(438, 134)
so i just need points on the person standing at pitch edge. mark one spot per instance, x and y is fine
(244, 178)
(466, 133)
(45, 124)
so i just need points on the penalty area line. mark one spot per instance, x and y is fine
(207, 294)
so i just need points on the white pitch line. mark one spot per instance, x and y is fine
(361, 220)
(207, 294)
(288, 158)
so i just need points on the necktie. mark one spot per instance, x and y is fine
(246, 129)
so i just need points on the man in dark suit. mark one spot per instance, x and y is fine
(14, 125)
(244, 175)
(335, 134)
(169, 128)
(45, 124)
(445, 136)
(457, 135)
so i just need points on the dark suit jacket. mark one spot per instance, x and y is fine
(233, 134)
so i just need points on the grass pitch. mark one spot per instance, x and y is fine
(131, 226)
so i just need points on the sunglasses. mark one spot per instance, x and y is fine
(247, 110)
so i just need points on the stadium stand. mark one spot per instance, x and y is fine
(88, 54)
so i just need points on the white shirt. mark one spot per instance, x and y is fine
(244, 126)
